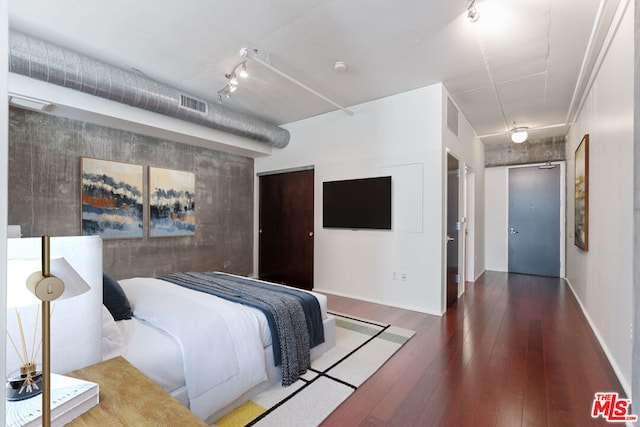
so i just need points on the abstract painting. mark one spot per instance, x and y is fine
(112, 202)
(581, 231)
(172, 205)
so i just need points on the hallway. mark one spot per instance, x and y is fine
(514, 350)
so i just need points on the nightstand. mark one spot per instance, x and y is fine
(129, 398)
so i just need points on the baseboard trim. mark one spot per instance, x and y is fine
(340, 294)
(603, 345)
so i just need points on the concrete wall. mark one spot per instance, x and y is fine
(508, 153)
(602, 277)
(44, 193)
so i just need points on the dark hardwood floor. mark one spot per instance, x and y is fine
(515, 350)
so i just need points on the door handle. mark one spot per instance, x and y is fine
(513, 231)
(450, 239)
(311, 234)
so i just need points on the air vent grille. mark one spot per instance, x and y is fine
(193, 104)
(452, 117)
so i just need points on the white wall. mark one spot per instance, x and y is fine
(496, 216)
(402, 135)
(602, 277)
(4, 178)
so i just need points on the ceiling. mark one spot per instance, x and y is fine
(522, 61)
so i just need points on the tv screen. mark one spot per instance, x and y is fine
(357, 203)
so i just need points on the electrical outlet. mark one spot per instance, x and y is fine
(403, 277)
(395, 275)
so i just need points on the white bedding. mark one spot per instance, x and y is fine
(133, 339)
(225, 347)
(161, 337)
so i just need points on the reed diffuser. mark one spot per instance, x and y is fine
(28, 381)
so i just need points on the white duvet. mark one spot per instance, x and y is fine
(223, 354)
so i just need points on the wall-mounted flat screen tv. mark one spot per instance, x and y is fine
(357, 203)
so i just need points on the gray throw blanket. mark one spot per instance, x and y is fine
(287, 313)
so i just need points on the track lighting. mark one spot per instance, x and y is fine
(243, 71)
(252, 55)
(232, 80)
(472, 12)
(519, 134)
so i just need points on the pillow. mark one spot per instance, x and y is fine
(112, 339)
(114, 298)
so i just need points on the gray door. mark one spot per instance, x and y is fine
(534, 221)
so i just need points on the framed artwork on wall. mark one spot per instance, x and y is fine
(172, 205)
(581, 194)
(112, 199)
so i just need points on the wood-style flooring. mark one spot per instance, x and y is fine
(515, 350)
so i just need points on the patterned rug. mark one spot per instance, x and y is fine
(362, 347)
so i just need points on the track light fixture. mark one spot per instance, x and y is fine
(472, 12)
(232, 80)
(243, 71)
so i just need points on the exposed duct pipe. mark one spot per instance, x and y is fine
(39, 59)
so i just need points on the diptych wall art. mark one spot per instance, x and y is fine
(112, 199)
(171, 203)
(581, 230)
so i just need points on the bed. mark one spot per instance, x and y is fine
(209, 372)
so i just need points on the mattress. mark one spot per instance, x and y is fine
(160, 356)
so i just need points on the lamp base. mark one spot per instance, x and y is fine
(21, 387)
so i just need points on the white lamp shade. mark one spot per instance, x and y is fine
(19, 270)
(519, 136)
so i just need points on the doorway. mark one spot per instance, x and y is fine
(285, 230)
(470, 226)
(453, 227)
(534, 220)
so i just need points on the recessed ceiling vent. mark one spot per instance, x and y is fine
(193, 104)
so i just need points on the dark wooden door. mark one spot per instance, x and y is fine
(286, 228)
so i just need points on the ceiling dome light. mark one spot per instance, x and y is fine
(519, 135)
(340, 66)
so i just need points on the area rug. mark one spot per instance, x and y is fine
(362, 347)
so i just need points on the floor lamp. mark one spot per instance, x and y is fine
(56, 280)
